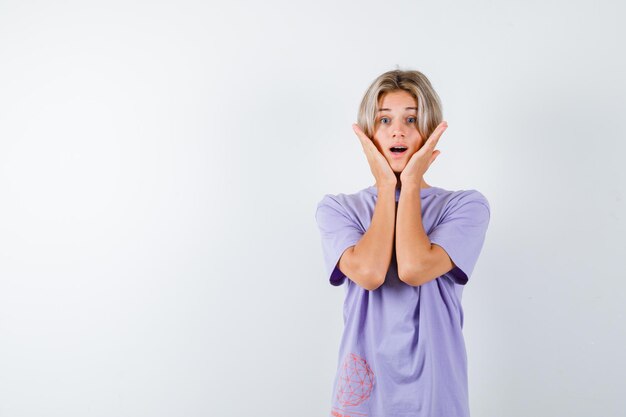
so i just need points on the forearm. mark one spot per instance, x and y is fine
(373, 252)
(412, 242)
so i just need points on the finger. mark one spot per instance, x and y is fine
(433, 139)
(366, 141)
(433, 157)
(439, 131)
(360, 134)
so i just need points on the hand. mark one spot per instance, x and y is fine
(421, 160)
(382, 171)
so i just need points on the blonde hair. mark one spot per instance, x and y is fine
(429, 111)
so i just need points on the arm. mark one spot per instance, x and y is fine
(367, 262)
(419, 261)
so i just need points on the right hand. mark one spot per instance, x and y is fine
(382, 171)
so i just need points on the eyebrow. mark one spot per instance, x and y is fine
(406, 108)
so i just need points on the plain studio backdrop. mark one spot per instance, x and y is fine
(160, 166)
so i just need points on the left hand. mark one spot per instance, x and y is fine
(421, 160)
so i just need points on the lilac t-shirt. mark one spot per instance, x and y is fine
(402, 352)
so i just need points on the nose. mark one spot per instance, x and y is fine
(398, 130)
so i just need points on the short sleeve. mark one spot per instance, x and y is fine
(338, 232)
(461, 233)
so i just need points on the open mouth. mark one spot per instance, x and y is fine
(398, 150)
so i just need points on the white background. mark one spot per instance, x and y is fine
(160, 164)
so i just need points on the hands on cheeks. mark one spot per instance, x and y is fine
(382, 171)
(421, 160)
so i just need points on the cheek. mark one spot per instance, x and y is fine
(378, 138)
(419, 140)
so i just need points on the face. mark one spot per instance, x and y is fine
(396, 125)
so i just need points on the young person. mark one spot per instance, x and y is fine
(407, 249)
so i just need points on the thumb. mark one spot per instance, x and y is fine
(433, 157)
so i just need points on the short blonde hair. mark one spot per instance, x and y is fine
(429, 111)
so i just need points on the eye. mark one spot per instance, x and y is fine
(382, 120)
(412, 119)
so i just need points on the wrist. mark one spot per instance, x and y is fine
(411, 186)
(386, 190)
(387, 185)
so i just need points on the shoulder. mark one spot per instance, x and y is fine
(460, 197)
(472, 204)
(346, 201)
(470, 196)
(464, 201)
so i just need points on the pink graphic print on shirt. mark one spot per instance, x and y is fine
(356, 381)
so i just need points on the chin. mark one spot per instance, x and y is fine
(398, 167)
